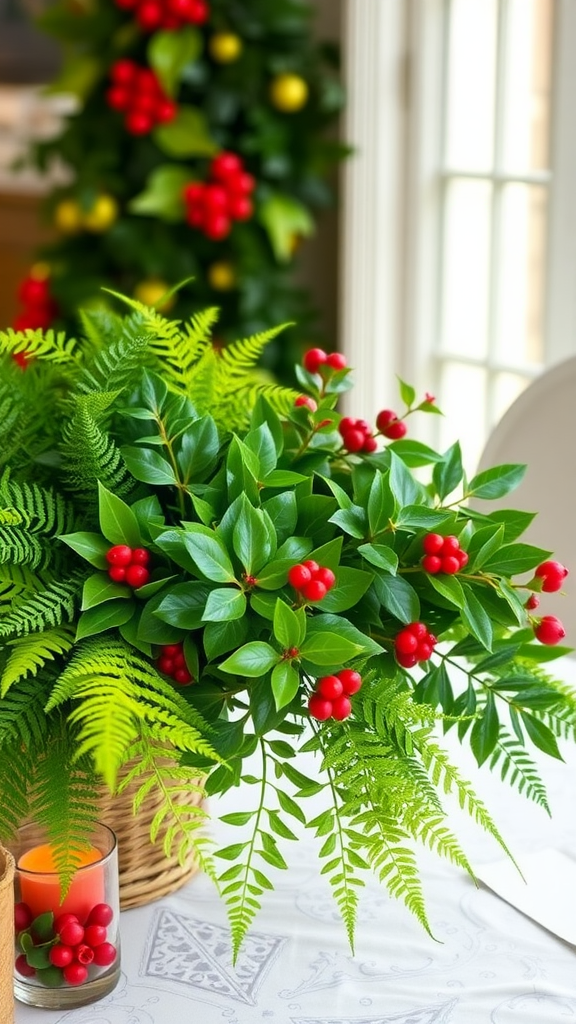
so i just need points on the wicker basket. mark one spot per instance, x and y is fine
(146, 873)
(6, 937)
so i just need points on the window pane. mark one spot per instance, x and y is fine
(471, 84)
(462, 399)
(465, 278)
(527, 84)
(521, 275)
(506, 388)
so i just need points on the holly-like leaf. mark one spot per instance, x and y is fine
(169, 53)
(163, 195)
(187, 135)
(284, 218)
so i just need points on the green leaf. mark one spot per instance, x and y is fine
(224, 604)
(447, 474)
(221, 637)
(381, 504)
(99, 588)
(476, 618)
(484, 734)
(351, 584)
(261, 441)
(541, 736)
(285, 683)
(381, 556)
(103, 617)
(43, 926)
(329, 648)
(284, 218)
(209, 554)
(512, 559)
(169, 53)
(496, 482)
(419, 517)
(183, 606)
(163, 194)
(253, 659)
(251, 538)
(187, 135)
(351, 520)
(282, 478)
(117, 520)
(404, 487)
(407, 392)
(338, 624)
(90, 546)
(149, 466)
(287, 625)
(449, 587)
(198, 451)
(398, 597)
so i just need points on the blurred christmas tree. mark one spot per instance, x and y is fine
(201, 149)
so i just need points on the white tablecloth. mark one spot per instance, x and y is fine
(488, 963)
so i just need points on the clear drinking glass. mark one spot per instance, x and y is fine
(66, 952)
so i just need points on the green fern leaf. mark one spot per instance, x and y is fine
(30, 654)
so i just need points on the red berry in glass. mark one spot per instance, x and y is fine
(22, 917)
(299, 576)
(23, 967)
(120, 554)
(351, 680)
(101, 914)
(105, 954)
(313, 359)
(72, 933)
(84, 953)
(137, 575)
(63, 920)
(319, 707)
(330, 687)
(60, 955)
(94, 934)
(75, 974)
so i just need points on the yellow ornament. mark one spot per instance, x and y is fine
(225, 47)
(288, 93)
(102, 215)
(40, 271)
(151, 290)
(221, 276)
(68, 216)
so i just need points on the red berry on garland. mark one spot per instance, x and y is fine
(101, 914)
(117, 573)
(336, 361)
(351, 681)
(341, 708)
(61, 956)
(71, 933)
(23, 967)
(549, 630)
(299, 576)
(326, 576)
(137, 575)
(306, 400)
(313, 359)
(75, 974)
(314, 590)
(319, 707)
(94, 935)
(140, 556)
(105, 954)
(22, 917)
(120, 554)
(330, 687)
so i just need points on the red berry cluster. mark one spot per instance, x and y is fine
(171, 662)
(211, 206)
(357, 435)
(128, 565)
(136, 92)
(552, 575)
(311, 580)
(549, 630)
(390, 426)
(443, 554)
(315, 358)
(413, 643)
(331, 698)
(39, 308)
(152, 15)
(74, 946)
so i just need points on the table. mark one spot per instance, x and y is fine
(488, 963)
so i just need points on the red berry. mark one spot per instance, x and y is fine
(319, 707)
(347, 423)
(370, 444)
(431, 563)
(22, 917)
(556, 568)
(451, 545)
(462, 557)
(75, 974)
(406, 660)
(140, 556)
(84, 954)
(532, 602)
(23, 967)
(450, 564)
(117, 573)
(94, 935)
(314, 590)
(418, 629)
(243, 184)
(326, 576)
(179, 660)
(424, 651)
(432, 543)
(240, 207)
(60, 956)
(137, 575)
(341, 708)
(198, 12)
(117, 98)
(71, 933)
(193, 192)
(171, 649)
(165, 664)
(336, 360)
(123, 72)
(166, 110)
(396, 430)
(351, 680)
(138, 123)
(101, 914)
(299, 576)
(63, 920)
(34, 291)
(306, 400)
(225, 166)
(313, 359)
(215, 198)
(311, 565)
(195, 217)
(216, 226)
(405, 642)
(549, 630)
(105, 954)
(384, 418)
(182, 676)
(330, 687)
(120, 554)
(354, 440)
(149, 15)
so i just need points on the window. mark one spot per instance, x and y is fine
(458, 205)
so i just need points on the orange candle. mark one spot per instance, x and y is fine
(40, 884)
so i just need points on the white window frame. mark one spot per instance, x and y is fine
(393, 54)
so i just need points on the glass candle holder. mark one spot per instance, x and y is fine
(66, 950)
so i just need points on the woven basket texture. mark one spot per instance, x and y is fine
(6, 937)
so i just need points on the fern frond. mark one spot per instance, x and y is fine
(22, 719)
(30, 653)
(50, 345)
(46, 512)
(52, 605)
(240, 357)
(90, 455)
(116, 366)
(179, 349)
(15, 580)
(17, 764)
